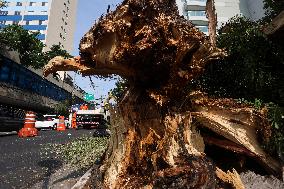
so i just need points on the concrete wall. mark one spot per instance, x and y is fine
(227, 9)
(62, 23)
(180, 5)
(16, 97)
(15, 57)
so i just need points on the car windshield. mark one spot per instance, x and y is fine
(50, 117)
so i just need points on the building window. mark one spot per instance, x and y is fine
(32, 3)
(40, 22)
(62, 27)
(19, 4)
(16, 22)
(2, 22)
(44, 4)
(60, 35)
(31, 12)
(65, 23)
(43, 12)
(203, 28)
(196, 13)
(27, 22)
(2, 13)
(17, 12)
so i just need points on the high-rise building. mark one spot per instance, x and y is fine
(194, 10)
(54, 19)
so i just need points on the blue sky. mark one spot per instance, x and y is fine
(89, 11)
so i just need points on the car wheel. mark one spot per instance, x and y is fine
(55, 126)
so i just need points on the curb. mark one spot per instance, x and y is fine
(81, 183)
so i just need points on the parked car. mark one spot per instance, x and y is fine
(46, 122)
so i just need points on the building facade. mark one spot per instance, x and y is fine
(54, 19)
(194, 10)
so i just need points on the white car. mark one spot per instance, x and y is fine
(50, 122)
(47, 122)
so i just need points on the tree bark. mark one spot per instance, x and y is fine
(212, 21)
(153, 149)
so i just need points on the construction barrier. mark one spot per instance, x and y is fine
(29, 129)
(61, 125)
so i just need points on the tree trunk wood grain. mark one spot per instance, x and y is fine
(212, 21)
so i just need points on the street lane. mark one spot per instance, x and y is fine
(22, 162)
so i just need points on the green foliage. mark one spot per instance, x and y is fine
(16, 38)
(30, 48)
(253, 68)
(272, 8)
(276, 118)
(275, 115)
(252, 73)
(63, 108)
(83, 152)
(257, 103)
(118, 91)
(54, 51)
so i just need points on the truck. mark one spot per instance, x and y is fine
(88, 119)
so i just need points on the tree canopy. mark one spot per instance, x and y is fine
(272, 8)
(29, 47)
(253, 67)
(253, 70)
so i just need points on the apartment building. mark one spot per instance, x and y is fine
(194, 10)
(54, 19)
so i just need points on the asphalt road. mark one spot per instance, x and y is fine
(22, 163)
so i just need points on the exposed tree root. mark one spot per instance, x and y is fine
(232, 178)
(239, 125)
(156, 142)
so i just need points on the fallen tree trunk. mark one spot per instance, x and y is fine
(158, 142)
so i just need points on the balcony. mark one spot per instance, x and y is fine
(199, 22)
(196, 5)
(197, 18)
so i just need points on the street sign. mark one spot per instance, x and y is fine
(89, 97)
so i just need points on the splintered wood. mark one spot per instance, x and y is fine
(158, 140)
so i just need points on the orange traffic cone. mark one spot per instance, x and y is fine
(29, 129)
(61, 125)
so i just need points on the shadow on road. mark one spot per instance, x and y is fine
(51, 165)
(74, 174)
